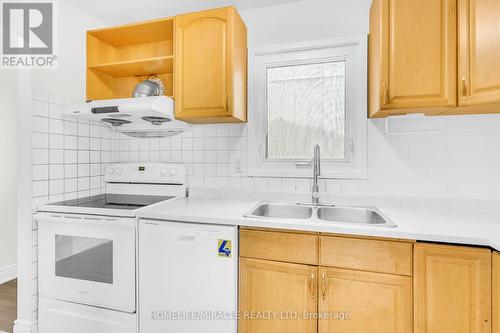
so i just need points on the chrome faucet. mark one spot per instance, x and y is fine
(316, 173)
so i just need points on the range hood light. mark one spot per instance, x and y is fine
(151, 134)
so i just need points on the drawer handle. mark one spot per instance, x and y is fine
(323, 285)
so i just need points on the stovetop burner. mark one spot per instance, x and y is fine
(113, 201)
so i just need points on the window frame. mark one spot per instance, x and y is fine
(351, 49)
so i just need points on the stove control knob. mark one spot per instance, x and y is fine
(163, 172)
(118, 171)
(173, 172)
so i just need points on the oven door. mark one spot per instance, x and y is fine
(87, 259)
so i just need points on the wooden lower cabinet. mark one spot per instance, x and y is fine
(452, 289)
(270, 288)
(496, 292)
(369, 302)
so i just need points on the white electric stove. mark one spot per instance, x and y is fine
(129, 187)
(87, 250)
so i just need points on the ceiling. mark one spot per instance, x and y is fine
(125, 11)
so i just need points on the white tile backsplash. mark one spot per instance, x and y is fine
(68, 154)
(70, 185)
(40, 172)
(40, 156)
(40, 108)
(56, 171)
(458, 161)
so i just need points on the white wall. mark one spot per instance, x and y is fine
(69, 79)
(306, 20)
(8, 151)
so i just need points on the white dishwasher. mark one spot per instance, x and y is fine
(188, 277)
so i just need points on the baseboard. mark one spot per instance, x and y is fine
(8, 273)
(23, 326)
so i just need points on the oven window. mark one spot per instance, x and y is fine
(82, 258)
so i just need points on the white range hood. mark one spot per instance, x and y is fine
(143, 117)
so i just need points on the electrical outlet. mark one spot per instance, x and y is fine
(238, 167)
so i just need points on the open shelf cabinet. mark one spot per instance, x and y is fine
(120, 57)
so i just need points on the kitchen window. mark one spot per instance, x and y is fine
(302, 95)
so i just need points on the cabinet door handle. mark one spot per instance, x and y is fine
(386, 93)
(323, 285)
(229, 102)
(463, 87)
(312, 286)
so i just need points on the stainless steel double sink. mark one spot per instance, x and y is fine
(359, 215)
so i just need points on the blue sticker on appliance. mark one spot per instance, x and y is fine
(224, 247)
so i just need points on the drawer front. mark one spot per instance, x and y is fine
(279, 246)
(366, 255)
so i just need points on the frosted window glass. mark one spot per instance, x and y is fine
(306, 106)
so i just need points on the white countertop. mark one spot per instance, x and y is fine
(462, 222)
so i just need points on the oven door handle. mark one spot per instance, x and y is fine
(84, 219)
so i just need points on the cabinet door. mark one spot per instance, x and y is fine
(452, 289)
(211, 67)
(416, 55)
(496, 292)
(276, 289)
(479, 45)
(373, 302)
(202, 63)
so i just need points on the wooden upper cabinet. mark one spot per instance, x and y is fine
(279, 288)
(210, 66)
(414, 47)
(479, 45)
(375, 303)
(452, 289)
(412, 59)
